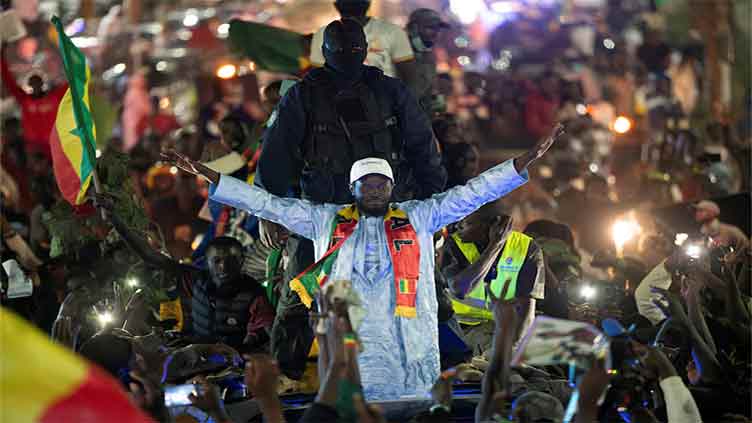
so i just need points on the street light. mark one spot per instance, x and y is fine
(227, 71)
(588, 292)
(623, 231)
(622, 125)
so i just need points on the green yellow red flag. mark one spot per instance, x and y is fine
(42, 382)
(73, 138)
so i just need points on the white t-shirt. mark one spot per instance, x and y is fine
(387, 44)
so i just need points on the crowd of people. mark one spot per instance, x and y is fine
(369, 231)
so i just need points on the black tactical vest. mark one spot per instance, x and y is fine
(345, 126)
(224, 319)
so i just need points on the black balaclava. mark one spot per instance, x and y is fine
(345, 47)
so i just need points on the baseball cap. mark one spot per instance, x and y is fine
(707, 206)
(427, 17)
(370, 166)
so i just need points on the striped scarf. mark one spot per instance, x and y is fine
(403, 248)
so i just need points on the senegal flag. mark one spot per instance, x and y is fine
(272, 49)
(43, 382)
(72, 140)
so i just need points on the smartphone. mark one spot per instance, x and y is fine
(177, 395)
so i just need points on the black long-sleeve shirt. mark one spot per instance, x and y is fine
(281, 161)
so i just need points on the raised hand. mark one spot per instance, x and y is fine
(441, 392)
(654, 363)
(208, 399)
(104, 201)
(261, 375)
(187, 165)
(593, 383)
(542, 147)
(522, 162)
(670, 304)
(146, 391)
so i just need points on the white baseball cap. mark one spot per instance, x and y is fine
(708, 206)
(370, 166)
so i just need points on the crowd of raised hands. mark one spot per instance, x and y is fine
(674, 391)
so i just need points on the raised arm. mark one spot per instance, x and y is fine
(702, 354)
(299, 216)
(458, 202)
(466, 280)
(496, 378)
(142, 248)
(9, 81)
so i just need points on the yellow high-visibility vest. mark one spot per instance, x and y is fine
(474, 308)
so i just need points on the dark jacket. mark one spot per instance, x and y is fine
(282, 166)
(231, 319)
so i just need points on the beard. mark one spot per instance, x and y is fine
(372, 208)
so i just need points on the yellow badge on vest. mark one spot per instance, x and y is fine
(172, 310)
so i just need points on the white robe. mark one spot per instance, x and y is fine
(401, 355)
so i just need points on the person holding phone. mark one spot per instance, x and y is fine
(485, 250)
(385, 250)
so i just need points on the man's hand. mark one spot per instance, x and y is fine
(105, 202)
(655, 364)
(209, 400)
(542, 147)
(187, 165)
(671, 305)
(152, 362)
(441, 392)
(271, 234)
(593, 383)
(261, 376)
(522, 162)
(499, 231)
(148, 393)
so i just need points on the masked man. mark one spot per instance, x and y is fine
(385, 250)
(389, 47)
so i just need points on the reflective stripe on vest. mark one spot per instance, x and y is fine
(474, 309)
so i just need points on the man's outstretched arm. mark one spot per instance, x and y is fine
(453, 205)
(296, 215)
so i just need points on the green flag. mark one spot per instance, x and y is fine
(272, 49)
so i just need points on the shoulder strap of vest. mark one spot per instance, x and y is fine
(468, 249)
